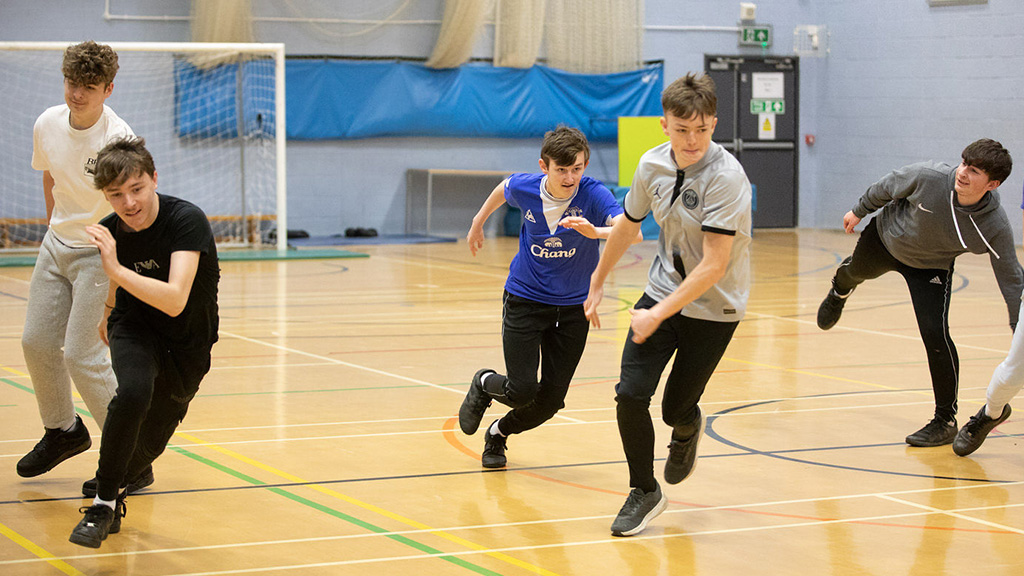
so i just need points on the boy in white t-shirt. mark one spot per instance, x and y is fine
(66, 296)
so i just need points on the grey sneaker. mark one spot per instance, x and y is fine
(99, 521)
(970, 437)
(475, 404)
(494, 450)
(639, 509)
(55, 447)
(140, 482)
(934, 433)
(682, 453)
(831, 308)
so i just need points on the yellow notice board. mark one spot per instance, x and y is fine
(637, 134)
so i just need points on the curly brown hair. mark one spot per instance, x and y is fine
(90, 63)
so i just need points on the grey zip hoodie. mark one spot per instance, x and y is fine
(923, 226)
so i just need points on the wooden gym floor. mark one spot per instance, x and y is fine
(324, 440)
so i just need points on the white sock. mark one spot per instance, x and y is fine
(992, 415)
(111, 503)
(494, 430)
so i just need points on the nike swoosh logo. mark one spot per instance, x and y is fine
(921, 206)
(98, 284)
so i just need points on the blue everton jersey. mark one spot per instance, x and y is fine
(554, 264)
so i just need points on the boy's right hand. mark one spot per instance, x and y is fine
(475, 237)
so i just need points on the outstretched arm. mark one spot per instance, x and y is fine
(168, 297)
(475, 237)
(623, 233)
(712, 267)
(584, 227)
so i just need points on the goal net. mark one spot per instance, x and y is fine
(212, 116)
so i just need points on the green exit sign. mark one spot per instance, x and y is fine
(767, 106)
(756, 35)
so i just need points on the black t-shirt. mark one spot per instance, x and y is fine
(179, 225)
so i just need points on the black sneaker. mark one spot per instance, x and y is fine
(494, 450)
(831, 308)
(99, 521)
(934, 433)
(639, 509)
(140, 482)
(475, 404)
(970, 437)
(55, 447)
(682, 453)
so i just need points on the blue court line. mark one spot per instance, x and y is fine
(778, 454)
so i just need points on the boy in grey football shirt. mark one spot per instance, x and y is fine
(696, 293)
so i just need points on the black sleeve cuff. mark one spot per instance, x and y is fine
(630, 218)
(718, 230)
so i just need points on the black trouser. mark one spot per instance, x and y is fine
(154, 387)
(698, 345)
(537, 335)
(930, 290)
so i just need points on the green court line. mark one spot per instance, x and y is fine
(336, 513)
(433, 552)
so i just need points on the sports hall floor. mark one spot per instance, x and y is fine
(324, 442)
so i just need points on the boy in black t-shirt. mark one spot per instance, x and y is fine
(160, 321)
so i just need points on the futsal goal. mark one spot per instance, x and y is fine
(212, 115)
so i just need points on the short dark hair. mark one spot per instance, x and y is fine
(563, 144)
(988, 155)
(689, 96)
(120, 160)
(90, 63)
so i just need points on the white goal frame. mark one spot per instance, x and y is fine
(274, 50)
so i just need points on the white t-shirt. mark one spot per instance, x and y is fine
(714, 195)
(70, 157)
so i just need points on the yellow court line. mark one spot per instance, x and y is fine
(39, 552)
(367, 506)
(12, 371)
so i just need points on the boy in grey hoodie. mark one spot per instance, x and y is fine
(930, 214)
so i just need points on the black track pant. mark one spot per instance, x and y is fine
(698, 345)
(544, 336)
(154, 387)
(930, 289)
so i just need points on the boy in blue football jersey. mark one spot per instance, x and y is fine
(543, 323)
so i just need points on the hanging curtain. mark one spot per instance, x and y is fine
(519, 29)
(594, 36)
(460, 28)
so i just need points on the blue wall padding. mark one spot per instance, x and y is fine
(206, 100)
(344, 99)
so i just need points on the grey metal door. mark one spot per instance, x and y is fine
(758, 104)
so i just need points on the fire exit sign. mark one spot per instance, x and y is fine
(767, 106)
(756, 35)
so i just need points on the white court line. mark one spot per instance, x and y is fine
(341, 362)
(692, 510)
(915, 338)
(953, 513)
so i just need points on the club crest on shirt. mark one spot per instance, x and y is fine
(574, 211)
(690, 199)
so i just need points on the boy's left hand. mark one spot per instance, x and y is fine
(579, 224)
